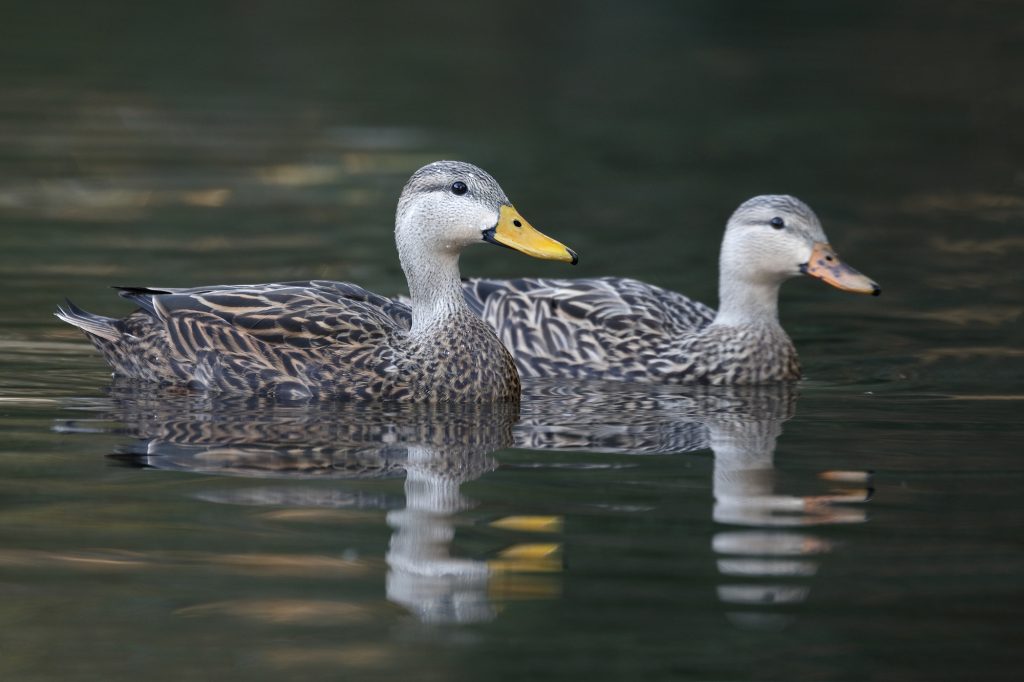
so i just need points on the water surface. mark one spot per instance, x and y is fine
(863, 525)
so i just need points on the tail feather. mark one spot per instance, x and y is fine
(132, 292)
(95, 325)
(143, 296)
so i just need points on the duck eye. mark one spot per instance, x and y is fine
(777, 222)
(459, 188)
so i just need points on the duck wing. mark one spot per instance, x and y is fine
(581, 327)
(314, 314)
(291, 339)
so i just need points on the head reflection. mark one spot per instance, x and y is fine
(767, 556)
(764, 552)
(436, 449)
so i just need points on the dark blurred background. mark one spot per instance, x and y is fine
(204, 142)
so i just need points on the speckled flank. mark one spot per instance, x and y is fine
(303, 340)
(624, 329)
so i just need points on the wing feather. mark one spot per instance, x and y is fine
(558, 327)
(307, 315)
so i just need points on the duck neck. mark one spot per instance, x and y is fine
(743, 301)
(434, 287)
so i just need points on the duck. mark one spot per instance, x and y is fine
(615, 328)
(322, 339)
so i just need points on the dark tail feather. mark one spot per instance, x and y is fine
(94, 325)
(129, 292)
(141, 296)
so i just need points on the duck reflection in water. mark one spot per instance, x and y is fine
(763, 552)
(436, 447)
(763, 561)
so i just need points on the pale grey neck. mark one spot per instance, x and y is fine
(434, 288)
(743, 302)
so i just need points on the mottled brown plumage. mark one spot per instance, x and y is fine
(624, 329)
(317, 339)
(302, 340)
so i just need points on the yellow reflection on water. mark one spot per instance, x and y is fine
(988, 204)
(341, 516)
(99, 560)
(530, 524)
(288, 565)
(935, 354)
(285, 611)
(528, 558)
(308, 565)
(361, 655)
(976, 247)
(991, 315)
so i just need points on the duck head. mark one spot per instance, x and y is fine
(449, 205)
(772, 238)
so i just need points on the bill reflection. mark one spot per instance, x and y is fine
(767, 556)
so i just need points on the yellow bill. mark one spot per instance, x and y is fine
(514, 232)
(825, 265)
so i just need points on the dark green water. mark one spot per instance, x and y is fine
(865, 526)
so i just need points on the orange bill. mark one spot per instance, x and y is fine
(825, 265)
